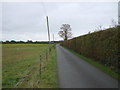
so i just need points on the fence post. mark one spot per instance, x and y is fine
(46, 55)
(40, 66)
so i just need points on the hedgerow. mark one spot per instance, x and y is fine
(102, 46)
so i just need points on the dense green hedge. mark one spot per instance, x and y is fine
(102, 46)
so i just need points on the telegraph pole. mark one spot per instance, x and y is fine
(48, 32)
(48, 29)
(53, 38)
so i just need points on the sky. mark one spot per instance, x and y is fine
(119, 13)
(27, 20)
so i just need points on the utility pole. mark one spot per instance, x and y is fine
(53, 38)
(48, 29)
(48, 32)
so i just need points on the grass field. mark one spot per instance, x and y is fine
(21, 66)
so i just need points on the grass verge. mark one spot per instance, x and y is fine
(49, 75)
(97, 65)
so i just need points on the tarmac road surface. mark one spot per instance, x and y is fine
(74, 72)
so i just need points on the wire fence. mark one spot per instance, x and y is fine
(39, 66)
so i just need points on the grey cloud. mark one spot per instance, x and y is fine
(23, 21)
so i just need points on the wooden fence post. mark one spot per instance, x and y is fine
(40, 66)
(46, 55)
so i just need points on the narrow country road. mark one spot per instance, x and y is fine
(74, 72)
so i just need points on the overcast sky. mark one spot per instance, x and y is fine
(27, 20)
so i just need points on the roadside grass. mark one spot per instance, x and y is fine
(49, 75)
(20, 62)
(97, 65)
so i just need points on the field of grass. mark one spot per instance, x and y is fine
(21, 66)
(97, 65)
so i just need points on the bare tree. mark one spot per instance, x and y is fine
(114, 23)
(99, 27)
(65, 32)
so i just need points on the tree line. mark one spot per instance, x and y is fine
(26, 42)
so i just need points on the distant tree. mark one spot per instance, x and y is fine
(98, 28)
(29, 41)
(114, 23)
(13, 41)
(89, 32)
(7, 41)
(65, 32)
(21, 42)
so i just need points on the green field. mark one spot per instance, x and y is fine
(21, 66)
